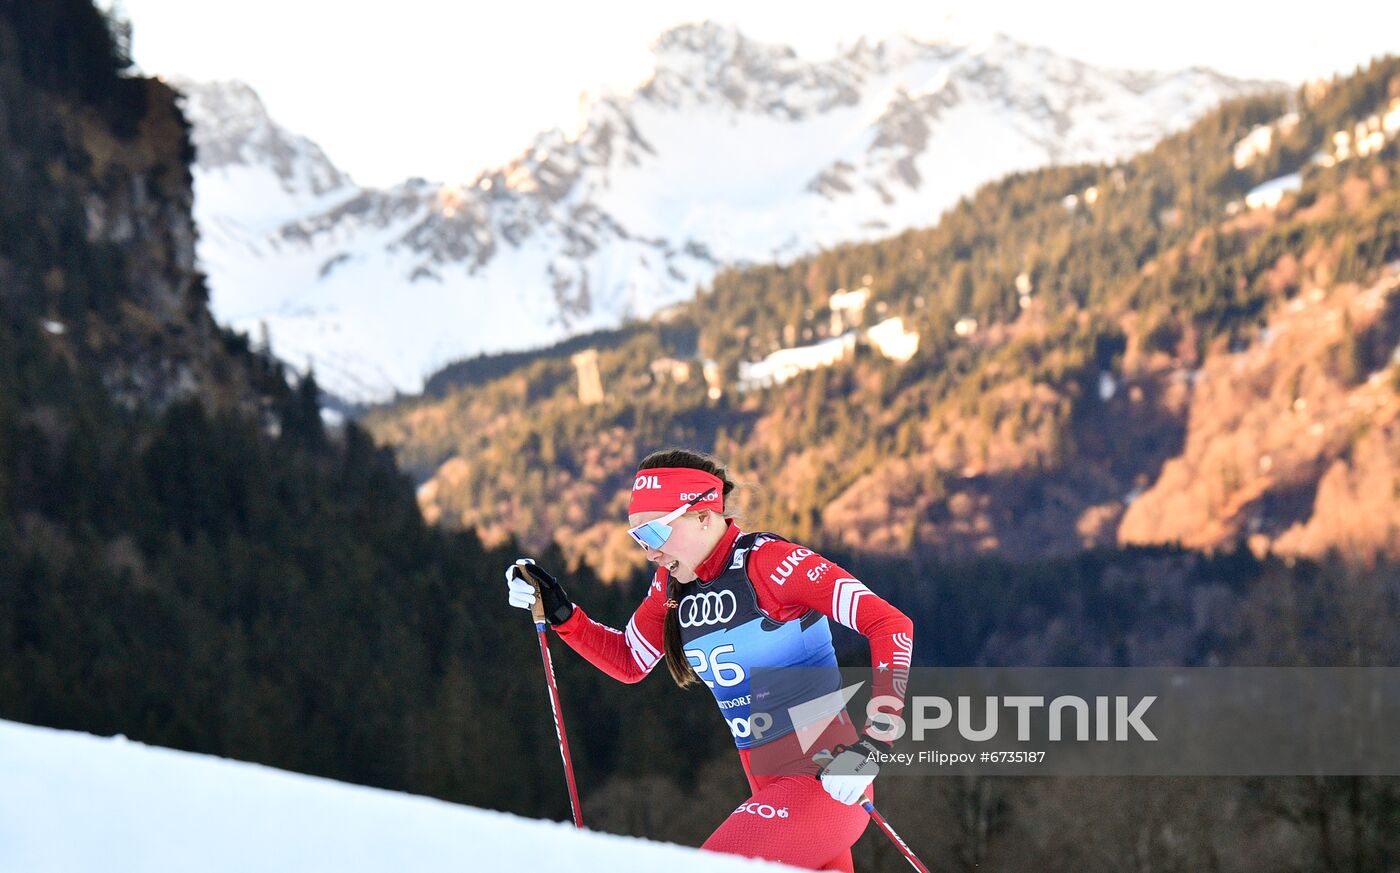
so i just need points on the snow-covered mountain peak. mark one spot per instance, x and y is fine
(261, 173)
(715, 65)
(898, 50)
(709, 47)
(711, 41)
(232, 128)
(735, 151)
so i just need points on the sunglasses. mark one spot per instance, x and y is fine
(654, 534)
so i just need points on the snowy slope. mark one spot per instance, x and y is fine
(79, 803)
(733, 152)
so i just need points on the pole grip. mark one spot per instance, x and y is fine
(536, 608)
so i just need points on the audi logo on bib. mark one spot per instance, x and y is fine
(707, 607)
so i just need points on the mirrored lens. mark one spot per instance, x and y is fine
(652, 535)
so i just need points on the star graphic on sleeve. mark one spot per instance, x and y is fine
(882, 667)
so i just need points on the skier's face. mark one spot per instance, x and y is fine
(691, 541)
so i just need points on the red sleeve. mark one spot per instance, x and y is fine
(627, 655)
(791, 579)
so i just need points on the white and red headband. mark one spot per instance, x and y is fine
(662, 489)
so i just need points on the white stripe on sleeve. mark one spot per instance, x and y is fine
(845, 598)
(643, 652)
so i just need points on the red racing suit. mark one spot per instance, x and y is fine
(788, 818)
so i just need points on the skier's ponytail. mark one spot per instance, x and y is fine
(676, 662)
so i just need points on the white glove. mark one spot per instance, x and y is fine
(847, 775)
(522, 593)
(557, 605)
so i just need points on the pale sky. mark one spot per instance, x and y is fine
(443, 90)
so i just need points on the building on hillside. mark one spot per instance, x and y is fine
(847, 309)
(786, 363)
(714, 379)
(892, 340)
(590, 383)
(1025, 289)
(670, 370)
(889, 337)
(1269, 194)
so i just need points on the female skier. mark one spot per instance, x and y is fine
(723, 603)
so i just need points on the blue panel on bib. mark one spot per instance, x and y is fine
(727, 637)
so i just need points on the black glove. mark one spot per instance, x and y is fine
(867, 744)
(557, 605)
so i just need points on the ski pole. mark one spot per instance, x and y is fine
(883, 825)
(537, 612)
(894, 837)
